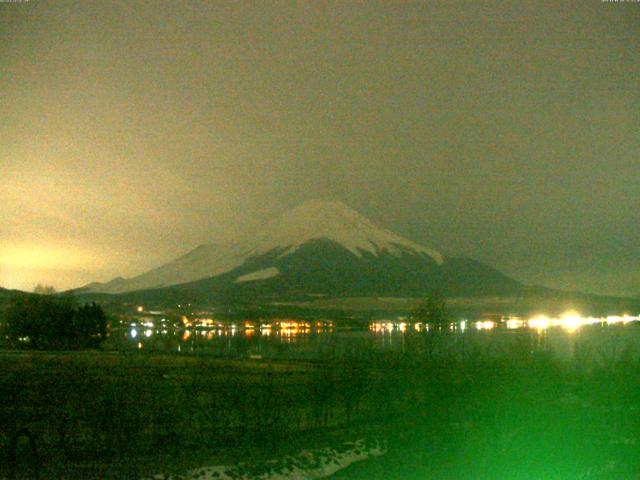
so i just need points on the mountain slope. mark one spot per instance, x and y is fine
(204, 261)
(310, 221)
(324, 267)
(315, 249)
(325, 249)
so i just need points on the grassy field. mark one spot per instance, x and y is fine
(521, 415)
(131, 414)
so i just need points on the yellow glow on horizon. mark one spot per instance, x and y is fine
(44, 257)
(63, 265)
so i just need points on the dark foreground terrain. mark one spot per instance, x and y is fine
(519, 415)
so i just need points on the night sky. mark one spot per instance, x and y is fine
(130, 132)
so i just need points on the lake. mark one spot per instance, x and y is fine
(569, 337)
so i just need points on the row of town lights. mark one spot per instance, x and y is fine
(570, 321)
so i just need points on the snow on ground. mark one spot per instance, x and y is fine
(307, 465)
(259, 275)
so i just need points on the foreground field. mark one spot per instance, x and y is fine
(521, 415)
(129, 415)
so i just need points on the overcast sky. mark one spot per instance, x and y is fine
(130, 132)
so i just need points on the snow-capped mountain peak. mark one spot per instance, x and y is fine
(334, 221)
(312, 220)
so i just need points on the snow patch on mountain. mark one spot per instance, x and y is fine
(259, 275)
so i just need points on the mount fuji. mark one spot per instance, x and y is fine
(319, 248)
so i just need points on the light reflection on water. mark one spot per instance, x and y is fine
(562, 335)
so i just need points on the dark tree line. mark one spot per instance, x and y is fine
(48, 322)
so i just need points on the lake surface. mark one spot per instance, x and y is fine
(569, 338)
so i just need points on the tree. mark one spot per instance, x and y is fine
(50, 322)
(432, 310)
(41, 289)
(89, 325)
